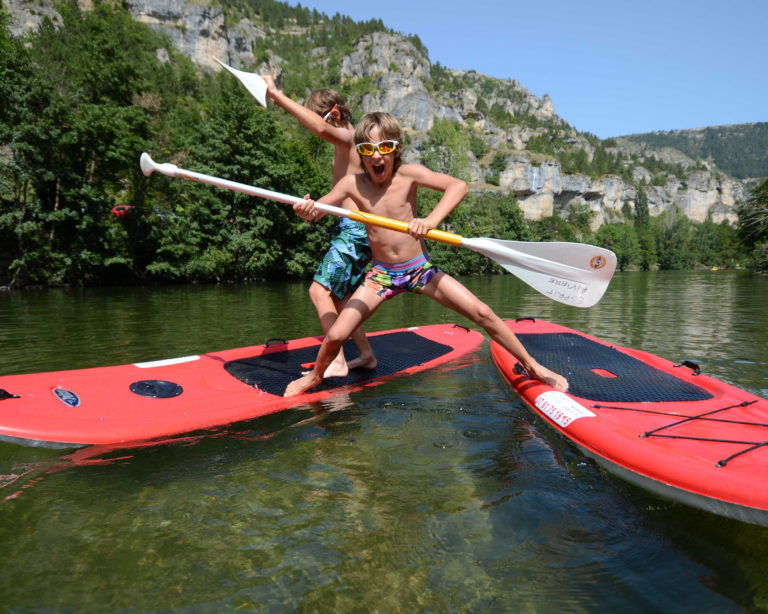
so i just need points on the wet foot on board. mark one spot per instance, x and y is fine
(302, 384)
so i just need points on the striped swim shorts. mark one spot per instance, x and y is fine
(390, 279)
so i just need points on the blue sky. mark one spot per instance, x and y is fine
(611, 68)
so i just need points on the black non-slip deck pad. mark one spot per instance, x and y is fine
(576, 358)
(394, 352)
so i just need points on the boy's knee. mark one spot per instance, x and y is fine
(334, 339)
(318, 292)
(484, 313)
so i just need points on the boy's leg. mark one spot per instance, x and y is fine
(354, 253)
(366, 359)
(357, 310)
(328, 307)
(342, 269)
(452, 294)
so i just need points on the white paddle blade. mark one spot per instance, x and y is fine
(254, 83)
(571, 273)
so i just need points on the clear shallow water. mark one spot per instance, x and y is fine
(435, 493)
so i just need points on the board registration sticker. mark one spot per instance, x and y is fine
(561, 408)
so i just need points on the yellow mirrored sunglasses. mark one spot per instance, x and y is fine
(384, 147)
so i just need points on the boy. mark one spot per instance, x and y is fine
(400, 261)
(343, 267)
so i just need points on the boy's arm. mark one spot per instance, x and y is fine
(340, 195)
(454, 191)
(309, 119)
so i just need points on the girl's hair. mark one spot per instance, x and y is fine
(322, 101)
(389, 128)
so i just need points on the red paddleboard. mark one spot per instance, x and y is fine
(142, 401)
(661, 425)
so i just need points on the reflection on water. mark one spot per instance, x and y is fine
(436, 493)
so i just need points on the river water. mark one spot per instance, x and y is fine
(438, 492)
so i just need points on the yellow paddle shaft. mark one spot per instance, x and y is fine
(386, 222)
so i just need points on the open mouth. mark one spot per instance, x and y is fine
(378, 169)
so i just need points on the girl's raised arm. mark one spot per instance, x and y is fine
(307, 118)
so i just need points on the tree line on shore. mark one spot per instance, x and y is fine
(84, 99)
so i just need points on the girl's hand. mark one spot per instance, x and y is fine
(271, 87)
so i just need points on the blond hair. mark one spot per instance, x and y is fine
(389, 128)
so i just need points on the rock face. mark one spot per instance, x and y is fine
(27, 15)
(398, 72)
(542, 190)
(199, 31)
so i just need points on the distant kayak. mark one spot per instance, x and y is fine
(661, 425)
(143, 401)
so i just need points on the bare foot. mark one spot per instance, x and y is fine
(331, 371)
(305, 382)
(338, 368)
(367, 361)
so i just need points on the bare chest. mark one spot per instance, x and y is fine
(396, 201)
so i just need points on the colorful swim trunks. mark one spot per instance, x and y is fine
(343, 268)
(387, 279)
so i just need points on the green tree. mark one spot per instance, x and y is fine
(216, 234)
(24, 97)
(648, 257)
(642, 216)
(675, 240)
(622, 240)
(554, 228)
(580, 216)
(477, 145)
(79, 141)
(659, 180)
(496, 167)
(753, 224)
(717, 244)
(445, 149)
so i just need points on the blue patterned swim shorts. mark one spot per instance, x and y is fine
(343, 268)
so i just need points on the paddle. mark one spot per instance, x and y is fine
(572, 273)
(254, 83)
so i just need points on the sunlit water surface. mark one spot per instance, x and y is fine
(433, 493)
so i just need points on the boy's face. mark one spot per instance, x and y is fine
(379, 167)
